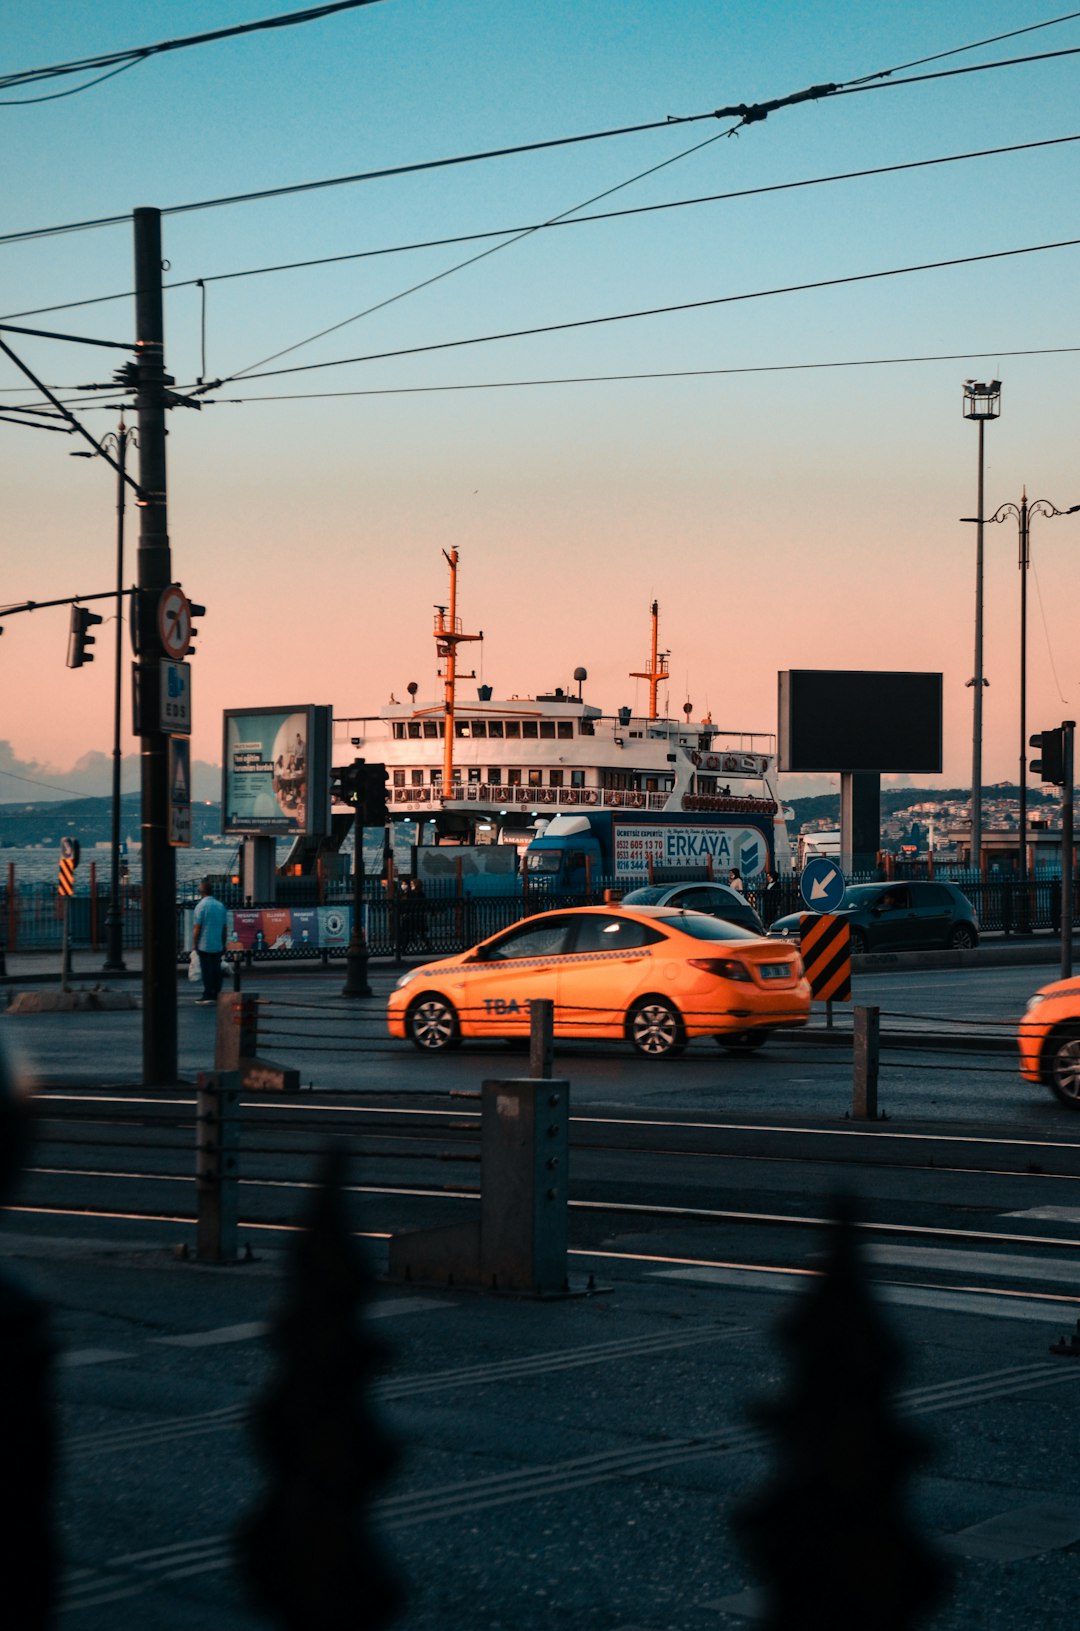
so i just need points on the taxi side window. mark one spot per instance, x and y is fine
(602, 933)
(534, 940)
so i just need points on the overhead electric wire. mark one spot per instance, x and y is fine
(132, 55)
(472, 260)
(745, 113)
(663, 311)
(976, 45)
(543, 226)
(665, 373)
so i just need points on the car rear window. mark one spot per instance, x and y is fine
(708, 928)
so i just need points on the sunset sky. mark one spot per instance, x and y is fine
(791, 492)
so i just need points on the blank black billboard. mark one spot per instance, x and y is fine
(838, 719)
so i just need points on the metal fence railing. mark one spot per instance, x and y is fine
(443, 921)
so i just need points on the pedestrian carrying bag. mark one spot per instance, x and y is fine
(194, 972)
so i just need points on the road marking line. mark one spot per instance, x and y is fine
(1029, 1531)
(78, 1357)
(960, 1301)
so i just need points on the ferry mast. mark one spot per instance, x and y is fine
(448, 635)
(656, 669)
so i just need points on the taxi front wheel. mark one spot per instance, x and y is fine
(432, 1024)
(1063, 1067)
(655, 1028)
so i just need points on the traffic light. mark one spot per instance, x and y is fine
(1050, 766)
(78, 638)
(364, 787)
(373, 796)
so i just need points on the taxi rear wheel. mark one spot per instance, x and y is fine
(655, 1028)
(432, 1024)
(743, 1041)
(1062, 1062)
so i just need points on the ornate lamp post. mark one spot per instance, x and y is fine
(1023, 513)
(981, 402)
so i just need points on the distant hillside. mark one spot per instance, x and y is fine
(826, 806)
(88, 820)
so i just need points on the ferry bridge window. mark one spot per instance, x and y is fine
(528, 727)
(513, 727)
(399, 778)
(430, 728)
(399, 731)
(461, 727)
(585, 727)
(566, 729)
(536, 778)
(495, 727)
(577, 778)
(547, 728)
(479, 727)
(414, 729)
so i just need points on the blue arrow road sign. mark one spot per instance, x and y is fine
(822, 885)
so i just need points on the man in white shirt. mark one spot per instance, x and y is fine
(208, 939)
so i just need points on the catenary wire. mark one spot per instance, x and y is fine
(110, 405)
(132, 55)
(483, 254)
(543, 226)
(602, 379)
(713, 301)
(747, 114)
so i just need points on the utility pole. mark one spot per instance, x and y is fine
(154, 576)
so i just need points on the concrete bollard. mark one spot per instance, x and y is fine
(866, 1051)
(541, 1038)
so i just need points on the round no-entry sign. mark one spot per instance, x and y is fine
(174, 621)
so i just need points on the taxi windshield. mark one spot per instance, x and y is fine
(707, 928)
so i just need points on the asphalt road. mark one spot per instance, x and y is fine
(340, 1045)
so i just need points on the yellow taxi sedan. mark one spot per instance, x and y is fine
(1049, 1039)
(652, 975)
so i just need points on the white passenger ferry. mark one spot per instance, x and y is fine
(485, 769)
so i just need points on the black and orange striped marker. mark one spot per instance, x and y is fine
(825, 947)
(66, 883)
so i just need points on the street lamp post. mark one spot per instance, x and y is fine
(1023, 513)
(981, 402)
(120, 439)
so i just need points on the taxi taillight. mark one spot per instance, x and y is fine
(727, 968)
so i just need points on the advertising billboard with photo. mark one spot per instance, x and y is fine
(276, 771)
